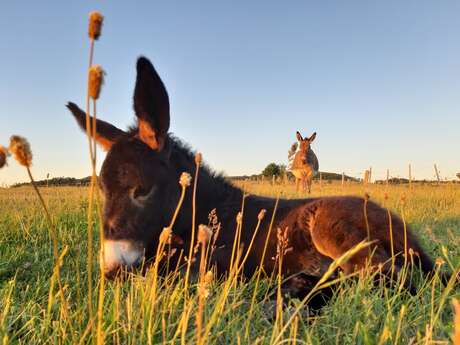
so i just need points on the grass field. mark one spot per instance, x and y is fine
(150, 310)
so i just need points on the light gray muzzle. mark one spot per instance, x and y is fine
(121, 254)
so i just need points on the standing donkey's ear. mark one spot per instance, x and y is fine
(299, 136)
(151, 105)
(106, 134)
(313, 136)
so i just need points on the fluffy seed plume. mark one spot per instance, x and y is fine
(261, 214)
(20, 148)
(239, 218)
(208, 277)
(95, 81)
(185, 180)
(203, 291)
(198, 158)
(456, 337)
(3, 156)
(95, 25)
(165, 235)
(204, 234)
(439, 261)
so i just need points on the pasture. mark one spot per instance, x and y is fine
(151, 309)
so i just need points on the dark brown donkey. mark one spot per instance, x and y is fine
(139, 179)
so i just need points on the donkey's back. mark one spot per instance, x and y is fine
(320, 230)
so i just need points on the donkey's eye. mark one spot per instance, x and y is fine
(139, 195)
(140, 192)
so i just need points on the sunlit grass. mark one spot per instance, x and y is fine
(136, 314)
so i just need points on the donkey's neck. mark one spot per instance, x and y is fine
(213, 190)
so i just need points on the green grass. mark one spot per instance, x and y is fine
(135, 313)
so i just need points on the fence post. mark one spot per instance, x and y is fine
(388, 176)
(366, 176)
(437, 173)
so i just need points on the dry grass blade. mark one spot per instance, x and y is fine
(321, 283)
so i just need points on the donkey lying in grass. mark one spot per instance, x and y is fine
(139, 179)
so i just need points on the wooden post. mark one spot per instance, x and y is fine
(273, 180)
(343, 179)
(388, 176)
(370, 175)
(366, 177)
(320, 180)
(437, 173)
(410, 176)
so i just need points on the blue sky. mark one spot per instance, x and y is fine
(378, 81)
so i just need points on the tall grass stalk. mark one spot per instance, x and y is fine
(260, 269)
(20, 147)
(192, 237)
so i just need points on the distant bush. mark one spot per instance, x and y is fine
(272, 169)
(58, 182)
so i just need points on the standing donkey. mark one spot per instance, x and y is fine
(139, 179)
(304, 163)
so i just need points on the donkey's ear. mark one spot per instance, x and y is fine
(299, 136)
(106, 134)
(313, 136)
(151, 105)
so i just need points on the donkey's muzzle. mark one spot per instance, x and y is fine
(121, 256)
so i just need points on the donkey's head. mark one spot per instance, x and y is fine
(136, 178)
(304, 143)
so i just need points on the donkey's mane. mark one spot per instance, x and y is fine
(182, 153)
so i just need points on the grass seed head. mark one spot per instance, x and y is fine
(208, 277)
(165, 236)
(239, 217)
(261, 214)
(96, 79)
(203, 291)
(95, 25)
(21, 151)
(185, 180)
(204, 234)
(3, 155)
(198, 158)
(439, 261)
